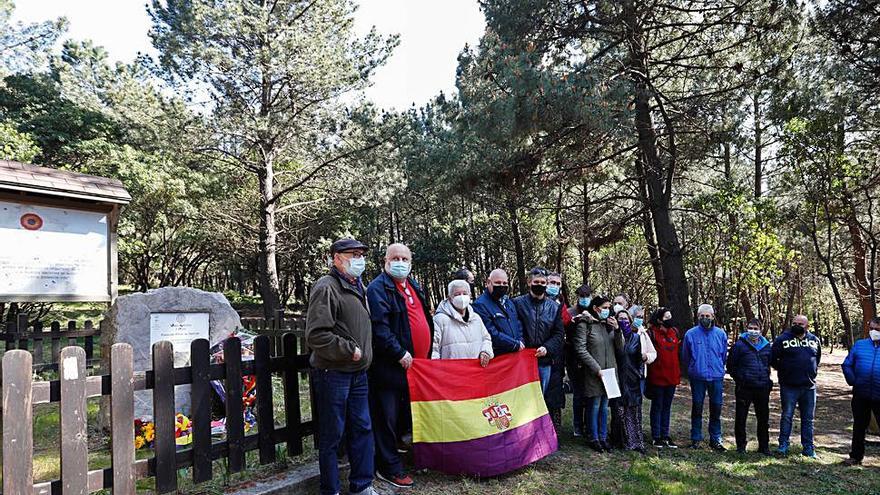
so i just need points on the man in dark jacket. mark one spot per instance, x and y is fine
(339, 335)
(796, 354)
(402, 330)
(862, 370)
(748, 363)
(498, 314)
(542, 329)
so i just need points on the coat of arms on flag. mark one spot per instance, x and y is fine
(479, 421)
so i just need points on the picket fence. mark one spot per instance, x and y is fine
(74, 387)
(45, 343)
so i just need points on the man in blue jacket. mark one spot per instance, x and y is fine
(704, 351)
(796, 354)
(862, 370)
(749, 366)
(402, 330)
(498, 314)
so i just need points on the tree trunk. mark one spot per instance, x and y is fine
(759, 145)
(860, 273)
(656, 173)
(585, 237)
(517, 246)
(654, 254)
(270, 289)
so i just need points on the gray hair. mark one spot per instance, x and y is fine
(456, 284)
(706, 308)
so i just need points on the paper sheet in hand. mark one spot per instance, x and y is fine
(609, 380)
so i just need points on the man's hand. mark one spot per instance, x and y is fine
(406, 361)
(357, 354)
(484, 359)
(541, 352)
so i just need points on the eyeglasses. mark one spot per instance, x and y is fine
(408, 295)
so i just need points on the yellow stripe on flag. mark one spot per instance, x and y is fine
(455, 421)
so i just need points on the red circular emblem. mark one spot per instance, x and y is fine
(31, 221)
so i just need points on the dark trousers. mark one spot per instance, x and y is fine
(387, 407)
(745, 397)
(862, 409)
(343, 415)
(661, 409)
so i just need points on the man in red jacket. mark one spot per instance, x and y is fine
(664, 375)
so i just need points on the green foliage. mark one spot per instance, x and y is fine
(15, 145)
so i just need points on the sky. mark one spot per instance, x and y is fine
(432, 33)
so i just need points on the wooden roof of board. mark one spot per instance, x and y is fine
(24, 177)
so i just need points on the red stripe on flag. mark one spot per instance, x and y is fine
(464, 379)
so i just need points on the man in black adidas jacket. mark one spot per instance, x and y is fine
(795, 355)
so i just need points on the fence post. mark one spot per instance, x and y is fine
(71, 327)
(234, 412)
(89, 342)
(200, 360)
(164, 417)
(22, 331)
(74, 436)
(37, 337)
(292, 413)
(122, 413)
(18, 423)
(55, 328)
(265, 420)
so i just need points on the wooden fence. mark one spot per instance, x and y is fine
(73, 388)
(45, 343)
(275, 328)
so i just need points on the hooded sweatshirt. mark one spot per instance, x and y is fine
(796, 360)
(458, 336)
(749, 363)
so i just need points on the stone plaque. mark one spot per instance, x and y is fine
(180, 329)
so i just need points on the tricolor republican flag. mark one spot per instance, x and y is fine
(479, 421)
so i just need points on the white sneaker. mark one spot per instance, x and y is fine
(366, 491)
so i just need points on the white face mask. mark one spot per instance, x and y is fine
(356, 266)
(461, 301)
(753, 333)
(874, 334)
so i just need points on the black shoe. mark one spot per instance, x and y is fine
(717, 447)
(670, 444)
(741, 450)
(849, 461)
(595, 445)
(765, 451)
(696, 444)
(605, 445)
(659, 444)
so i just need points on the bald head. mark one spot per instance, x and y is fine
(398, 261)
(497, 278)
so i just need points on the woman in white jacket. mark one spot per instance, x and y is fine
(459, 332)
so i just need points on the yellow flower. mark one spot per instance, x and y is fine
(148, 435)
(138, 442)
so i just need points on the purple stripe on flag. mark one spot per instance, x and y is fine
(492, 455)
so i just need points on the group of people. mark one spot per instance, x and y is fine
(364, 339)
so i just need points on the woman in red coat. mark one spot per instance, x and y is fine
(664, 375)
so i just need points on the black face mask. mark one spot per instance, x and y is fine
(499, 291)
(667, 323)
(798, 330)
(538, 290)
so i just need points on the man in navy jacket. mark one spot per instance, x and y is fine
(748, 362)
(498, 314)
(796, 354)
(862, 370)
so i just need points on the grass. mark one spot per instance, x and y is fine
(577, 469)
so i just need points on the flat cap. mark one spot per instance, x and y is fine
(343, 245)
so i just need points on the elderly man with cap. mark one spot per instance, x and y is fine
(402, 330)
(704, 353)
(339, 334)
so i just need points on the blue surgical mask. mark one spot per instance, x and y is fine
(584, 302)
(638, 322)
(603, 315)
(356, 267)
(399, 269)
(552, 290)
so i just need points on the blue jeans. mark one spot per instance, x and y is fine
(699, 388)
(661, 409)
(597, 416)
(805, 400)
(544, 375)
(343, 409)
